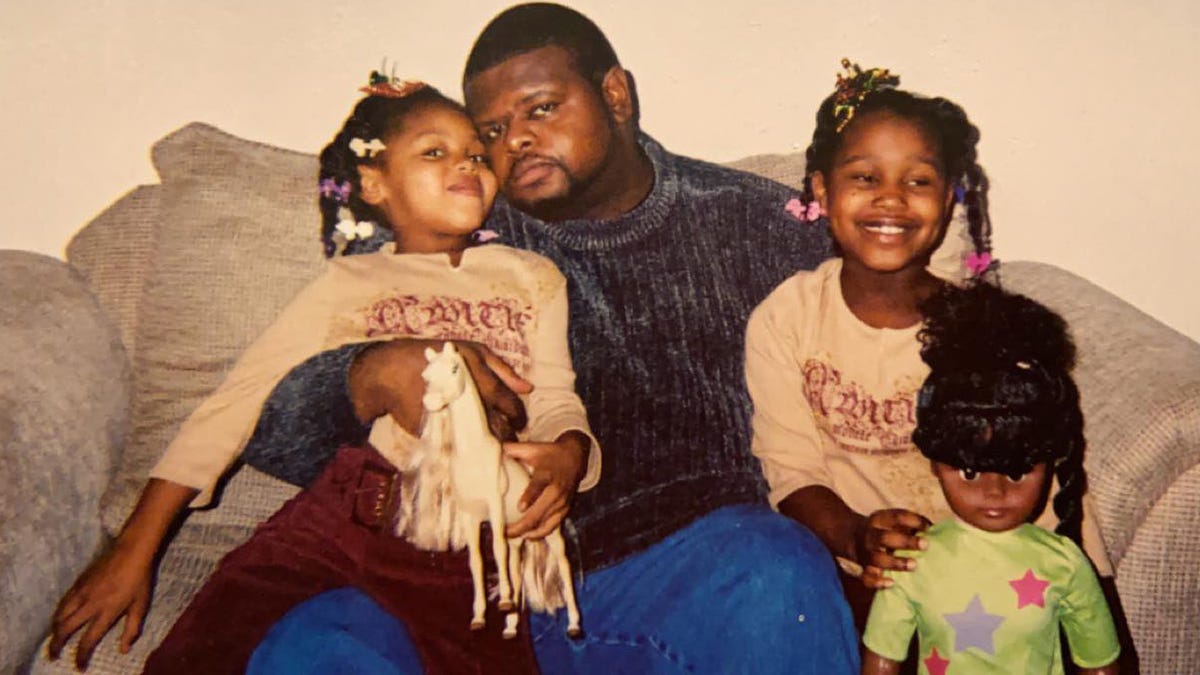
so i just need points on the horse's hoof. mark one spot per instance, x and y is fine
(477, 624)
(509, 634)
(575, 632)
(505, 606)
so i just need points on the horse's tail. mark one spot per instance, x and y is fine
(542, 581)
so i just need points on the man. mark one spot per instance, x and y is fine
(684, 566)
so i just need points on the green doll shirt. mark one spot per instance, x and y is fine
(992, 602)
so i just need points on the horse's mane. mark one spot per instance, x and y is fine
(427, 514)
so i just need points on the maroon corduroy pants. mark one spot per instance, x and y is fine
(338, 533)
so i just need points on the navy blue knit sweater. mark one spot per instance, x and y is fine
(659, 300)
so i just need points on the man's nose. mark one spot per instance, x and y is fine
(519, 137)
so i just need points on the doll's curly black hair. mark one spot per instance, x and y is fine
(374, 117)
(999, 396)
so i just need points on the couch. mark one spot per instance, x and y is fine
(104, 354)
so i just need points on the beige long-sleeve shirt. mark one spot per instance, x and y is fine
(512, 301)
(835, 405)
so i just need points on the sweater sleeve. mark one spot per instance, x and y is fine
(215, 433)
(307, 418)
(785, 435)
(553, 406)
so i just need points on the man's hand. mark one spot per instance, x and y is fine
(882, 534)
(116, 585)
(555, 471)
(386, 379)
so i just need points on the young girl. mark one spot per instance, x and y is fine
(407, 159)
(998, 412)
(832, 356)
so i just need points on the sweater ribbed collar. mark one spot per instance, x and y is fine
(646, 217)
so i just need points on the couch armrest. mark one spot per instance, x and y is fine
(1139, 382)
(64, 392)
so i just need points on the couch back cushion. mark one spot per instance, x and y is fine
(113, 251)
(236, 237)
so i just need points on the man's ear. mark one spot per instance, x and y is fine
(618, 94)
(371, 179)
(820, 190)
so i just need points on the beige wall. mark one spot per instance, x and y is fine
(1088, 109)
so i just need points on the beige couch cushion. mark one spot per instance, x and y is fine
(113, 254)
(236, 238)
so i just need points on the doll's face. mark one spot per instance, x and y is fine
(993, 501)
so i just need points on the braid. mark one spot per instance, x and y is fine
(1072, 479)
(374, 117)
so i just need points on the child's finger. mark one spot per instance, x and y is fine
(524, 526)
(533, 494)
(553, 519)
(873, 578)
(886, 561)
(91, 638)
(525, 453)
(892, 540)
(912, 521)
(66, 624)
(133, 622)
(532, 523)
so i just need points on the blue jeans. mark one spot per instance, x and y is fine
(741, 590)
(339, 632)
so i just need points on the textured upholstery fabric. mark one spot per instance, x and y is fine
(64, 390)
(1139, 387)
(235, 237)
(113, 254)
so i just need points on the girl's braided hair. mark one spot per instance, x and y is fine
(942, 120)
(999, 396)
(376, 116)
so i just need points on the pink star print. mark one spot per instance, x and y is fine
(1030, 590)
(935, 664)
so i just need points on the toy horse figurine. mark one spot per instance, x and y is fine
(484, 485)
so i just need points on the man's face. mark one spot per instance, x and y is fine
(547, 130)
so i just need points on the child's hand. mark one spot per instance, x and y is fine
(116, 585)
(884, 533)
(555, 471)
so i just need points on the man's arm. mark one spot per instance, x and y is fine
(308, 416)
(330, 400)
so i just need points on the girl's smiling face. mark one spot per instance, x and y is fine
(993, 501)
(886, 194)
